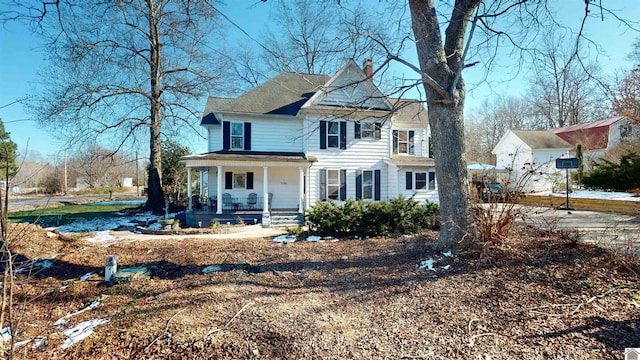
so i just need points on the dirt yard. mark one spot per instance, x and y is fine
(538, 296)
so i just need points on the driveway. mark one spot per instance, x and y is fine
(619, 232)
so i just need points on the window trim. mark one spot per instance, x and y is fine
(336, 184)
(235, 176)
(410, 138)
(330, 135)
(236, 136)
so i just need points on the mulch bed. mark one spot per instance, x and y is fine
(536, 296)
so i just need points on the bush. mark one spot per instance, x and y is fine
(359, 218)
(623, 176)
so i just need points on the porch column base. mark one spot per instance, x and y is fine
(266, 219)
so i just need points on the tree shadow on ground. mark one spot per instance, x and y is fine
(611, 333)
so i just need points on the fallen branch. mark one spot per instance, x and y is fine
(593, 298)
(234, 316)
(166, 327)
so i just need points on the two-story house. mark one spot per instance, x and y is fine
(298, 139)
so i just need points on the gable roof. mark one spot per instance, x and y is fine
(350, 82)
(594, 135)
(541, 139)
(282, 95)
(409, 113)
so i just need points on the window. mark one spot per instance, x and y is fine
(367, 184)
(625, 130)
(421, 180)
(403, 142)
(367, 130)
(239, 180)
(333, 184)
(237, 136)
(333, 134)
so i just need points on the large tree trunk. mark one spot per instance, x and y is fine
(441, 64)
(155, 195)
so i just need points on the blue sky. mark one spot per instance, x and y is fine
(21, 59)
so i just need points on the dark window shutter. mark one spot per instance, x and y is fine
(249, 180)
(343, 134)
(376, 184)
(411, 147)
(228, 180)
(395, 141)
(343, 184)
(323, 185)
(323, 134)
(357, 130)
(247, 136)
(358, 184)
(409, 181)
(226, 135)
(378, 131)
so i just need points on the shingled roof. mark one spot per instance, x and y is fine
(595, 134)
(282, 95)
(542, 139)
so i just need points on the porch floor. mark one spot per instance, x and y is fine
(203, 217)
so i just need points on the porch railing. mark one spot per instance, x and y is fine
(239, 203)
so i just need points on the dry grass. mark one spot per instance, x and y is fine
(537, 296)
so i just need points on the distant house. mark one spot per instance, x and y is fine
(529, 157)
(597, 137)
(299, 139)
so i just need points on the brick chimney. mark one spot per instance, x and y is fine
(368, 67)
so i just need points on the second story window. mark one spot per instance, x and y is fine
(333, 134)
(403, 142)
(237, 136)
(367, 130)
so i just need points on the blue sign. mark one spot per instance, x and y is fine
(568, 163)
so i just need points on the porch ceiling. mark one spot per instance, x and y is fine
(247, 159)
(412, 161)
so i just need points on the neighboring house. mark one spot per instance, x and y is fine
(298, 139)
(598, 137)
(530, 156)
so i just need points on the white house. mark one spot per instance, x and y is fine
(299, 138)
(598, 137)
(529, 156)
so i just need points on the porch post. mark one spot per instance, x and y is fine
(266, 215)
(201, 174)
(189, 200)
(219, 190)
(301, 190)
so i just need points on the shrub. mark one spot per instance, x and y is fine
(622, 176)
(359, 218)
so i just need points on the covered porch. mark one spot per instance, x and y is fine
(249, 185)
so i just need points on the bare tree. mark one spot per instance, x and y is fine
(124, 70)
(564, 89)
(626, 98)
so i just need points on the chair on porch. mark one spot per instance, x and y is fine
(227, 201)
(252, 200)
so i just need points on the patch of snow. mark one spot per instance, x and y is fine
(448, 253)
(21, 343)
(446, 267)
(81, 332)
(64, 320)
(39, 343)
(285, 239)
(101, 237)
(427, 264)
(314, 238)
(212, 268)
(39, 263)
(119, 202)
(588, 194)
(87, 276)
(5, 334)
(104, 224)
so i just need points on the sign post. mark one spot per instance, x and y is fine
(566, 164)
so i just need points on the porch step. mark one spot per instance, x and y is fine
(284, 220)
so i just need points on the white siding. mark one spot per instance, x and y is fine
(421, 195)
(271, 134)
